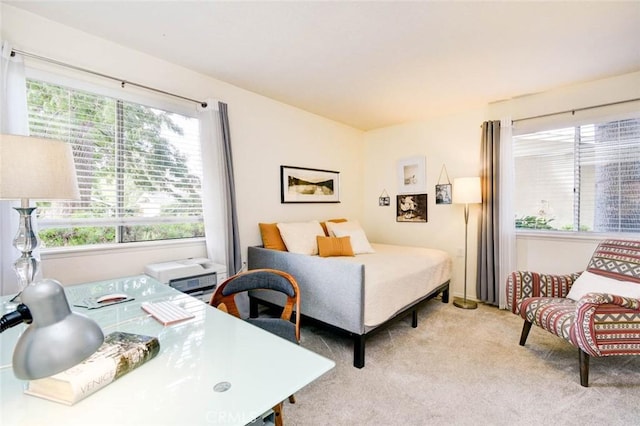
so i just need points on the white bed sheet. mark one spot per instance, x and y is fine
(396, 276)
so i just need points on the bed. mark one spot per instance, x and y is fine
(359, 294)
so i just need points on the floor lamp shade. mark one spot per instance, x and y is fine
(39, 169)
(466, 190)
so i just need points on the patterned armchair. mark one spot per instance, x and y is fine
(601, 316)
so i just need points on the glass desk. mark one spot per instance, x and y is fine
(177, 386)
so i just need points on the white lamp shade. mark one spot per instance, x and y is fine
(36, 168)
(466, 190)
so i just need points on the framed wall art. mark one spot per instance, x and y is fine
(443, 190)
(411, 208)
(443, 193)
(302, 185)
(412, 175)
(384, 199)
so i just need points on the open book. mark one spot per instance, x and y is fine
(119, 354)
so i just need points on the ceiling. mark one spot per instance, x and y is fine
(377, 63)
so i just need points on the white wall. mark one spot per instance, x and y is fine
(452, 140)
(265, 134)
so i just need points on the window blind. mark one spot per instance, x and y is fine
(581, 178)
(138, 167)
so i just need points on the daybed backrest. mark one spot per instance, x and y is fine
(618, 259)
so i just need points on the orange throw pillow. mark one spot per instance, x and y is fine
(271, 238)
(334, 246)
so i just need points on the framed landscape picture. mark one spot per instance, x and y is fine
(303, 185)
(411, 208)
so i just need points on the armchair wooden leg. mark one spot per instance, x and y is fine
(584, 368)
(526, 328)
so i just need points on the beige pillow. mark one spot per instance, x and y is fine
(271, 238)
(300, 237)
(324, 225)
(359, 241)
(334, 246)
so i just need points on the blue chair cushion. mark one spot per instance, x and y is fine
(277, 326)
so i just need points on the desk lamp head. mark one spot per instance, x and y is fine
(57, 338)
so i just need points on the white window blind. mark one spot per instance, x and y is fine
(581, 178)
(139, 168)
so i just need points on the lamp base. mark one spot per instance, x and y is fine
(464, 303)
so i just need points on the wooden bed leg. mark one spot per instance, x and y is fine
(445, 295)
(358, 350)
(414, 318)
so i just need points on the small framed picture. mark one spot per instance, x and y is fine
(384, 201)
(303, 185)
(443, 193)
(411, 208)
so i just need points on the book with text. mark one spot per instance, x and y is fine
(119, 354)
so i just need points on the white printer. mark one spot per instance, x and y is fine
(196, 276)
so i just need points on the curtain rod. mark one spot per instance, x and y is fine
(573, 111)
(123, 82)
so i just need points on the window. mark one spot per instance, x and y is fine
(583, 178)
(139, 169)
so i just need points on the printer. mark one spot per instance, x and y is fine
(196, 276)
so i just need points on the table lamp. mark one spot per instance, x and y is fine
(34, 168)
(466, 190)
(56, 339)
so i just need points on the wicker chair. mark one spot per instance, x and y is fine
(600, 322)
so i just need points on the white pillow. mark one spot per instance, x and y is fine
(589, 282)
(359, 241)
(300, 237)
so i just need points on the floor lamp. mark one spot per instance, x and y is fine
(466, 191)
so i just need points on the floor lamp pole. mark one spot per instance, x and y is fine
(464, 303)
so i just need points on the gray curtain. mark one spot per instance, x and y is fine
(487, 285)
(234, 255)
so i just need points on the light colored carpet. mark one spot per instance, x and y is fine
(463, 367)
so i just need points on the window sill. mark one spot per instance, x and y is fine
(576, 236)
(66, 252)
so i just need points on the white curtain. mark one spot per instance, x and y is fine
(13, 120)
(506, 229)
(214, 202)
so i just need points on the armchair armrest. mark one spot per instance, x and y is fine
(523, 284)
(607, 324)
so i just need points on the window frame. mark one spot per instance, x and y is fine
(552, 122)
(85, 82)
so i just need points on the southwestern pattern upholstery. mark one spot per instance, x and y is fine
(598, 324)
